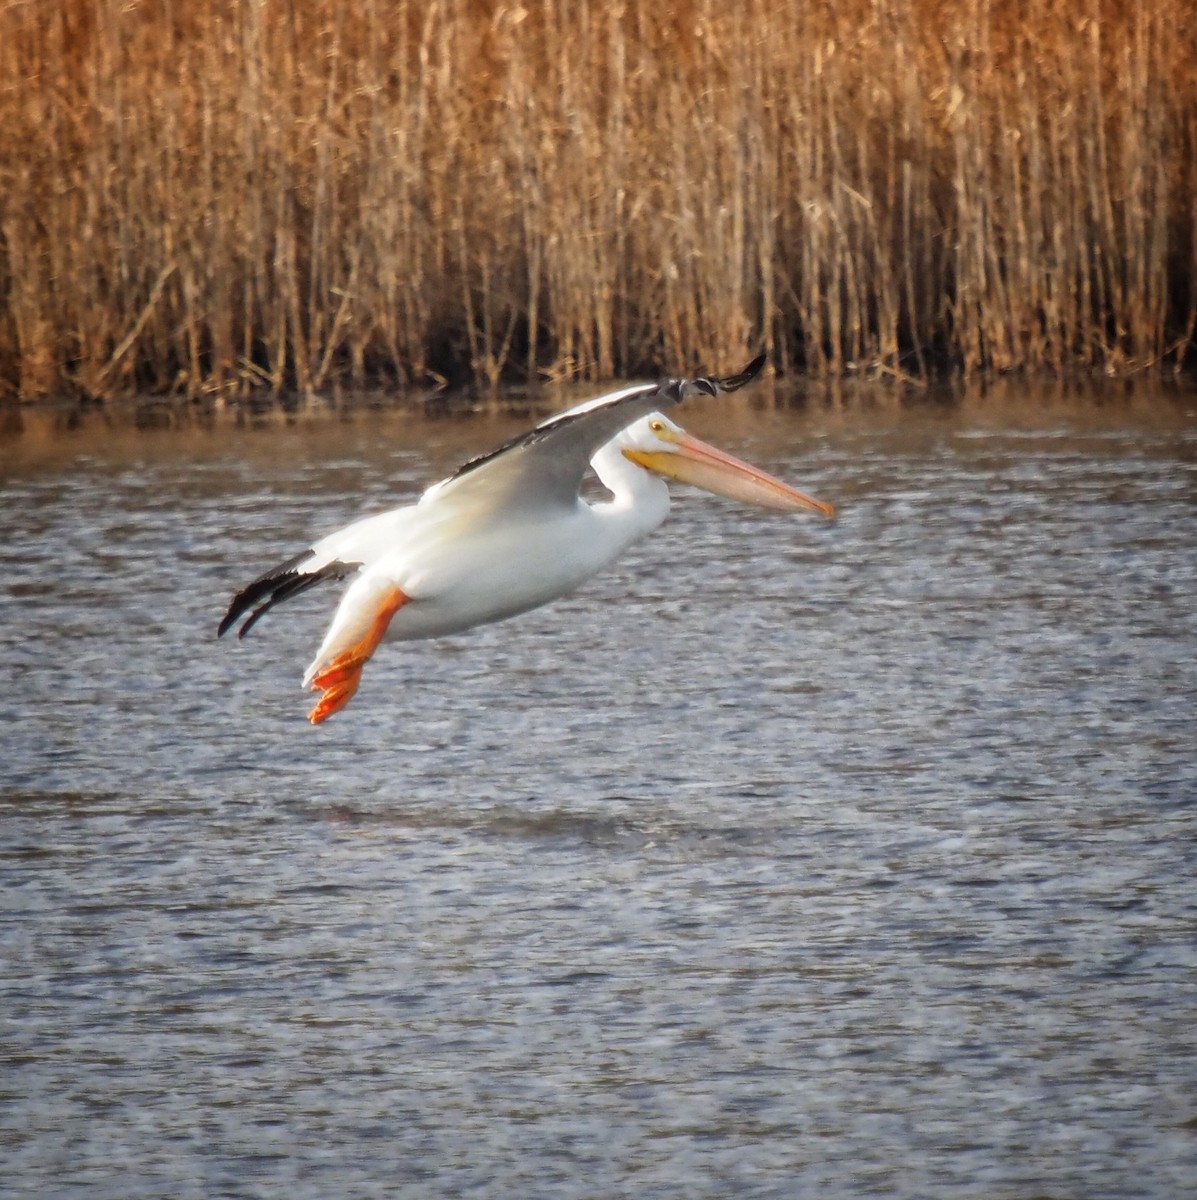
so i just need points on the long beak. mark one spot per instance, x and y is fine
(695, 462)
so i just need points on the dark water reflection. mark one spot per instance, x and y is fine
(785, 859)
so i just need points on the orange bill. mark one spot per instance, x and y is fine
(690, 460)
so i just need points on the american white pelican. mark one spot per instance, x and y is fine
(509, 531)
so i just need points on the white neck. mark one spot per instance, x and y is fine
(640, 499)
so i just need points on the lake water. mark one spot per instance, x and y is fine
(784, 859)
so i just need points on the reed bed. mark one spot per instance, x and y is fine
(221, 196)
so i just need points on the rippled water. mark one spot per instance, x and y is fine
(785, 859)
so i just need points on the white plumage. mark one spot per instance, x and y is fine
(509, 531)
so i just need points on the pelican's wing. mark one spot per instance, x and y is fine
(546, 465)
(333, 557)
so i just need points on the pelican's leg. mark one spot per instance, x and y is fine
(340, 673)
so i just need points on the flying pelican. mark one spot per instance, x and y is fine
(510, 530)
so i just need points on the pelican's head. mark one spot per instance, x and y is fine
(658, 445)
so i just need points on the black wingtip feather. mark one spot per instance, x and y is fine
(291, 585)
(261, 587)
(277, 585)
(712, 385)
(733, 383)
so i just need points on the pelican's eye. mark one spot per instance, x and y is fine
(657, 426)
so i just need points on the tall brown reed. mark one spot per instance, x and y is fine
(220, 196)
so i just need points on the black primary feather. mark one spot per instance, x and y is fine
(733, 383)
(278, 584)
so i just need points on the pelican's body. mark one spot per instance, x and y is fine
(509, 531)
(469, 563)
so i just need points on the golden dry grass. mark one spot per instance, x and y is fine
(219, 195)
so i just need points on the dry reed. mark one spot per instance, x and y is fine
(223, 195)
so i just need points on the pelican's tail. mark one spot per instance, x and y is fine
(360, 624)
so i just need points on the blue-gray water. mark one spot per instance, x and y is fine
(785, 859)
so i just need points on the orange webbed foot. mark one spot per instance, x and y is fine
(338, 685)
(339, 679)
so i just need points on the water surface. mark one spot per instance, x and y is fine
(783, 859)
